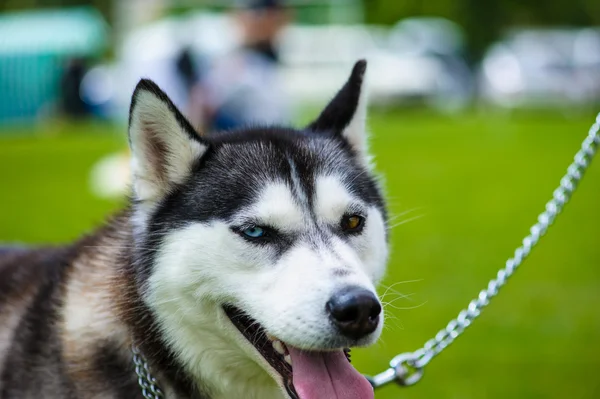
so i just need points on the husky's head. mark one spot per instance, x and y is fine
(259, 249)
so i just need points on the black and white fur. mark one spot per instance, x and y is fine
(159, 274)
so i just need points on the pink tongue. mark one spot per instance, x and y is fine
(327, 375)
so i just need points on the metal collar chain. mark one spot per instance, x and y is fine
(407, 368)
(148, 384)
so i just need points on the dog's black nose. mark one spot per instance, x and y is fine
(355, 311)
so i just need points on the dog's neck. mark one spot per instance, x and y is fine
(103, 309)
(199, 366)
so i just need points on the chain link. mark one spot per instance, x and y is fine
(407, 368)
(149, 385)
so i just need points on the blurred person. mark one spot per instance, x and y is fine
(190, 70)
(244, 87)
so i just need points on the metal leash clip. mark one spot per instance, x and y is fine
(404, 370)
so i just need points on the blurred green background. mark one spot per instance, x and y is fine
(484, 21)
(472, 185)
(464, 186)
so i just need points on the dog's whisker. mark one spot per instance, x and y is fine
(392, 321)
(390, 298)
(390, 288)
(388, 305)
(399, 298)
(406, 212)
(401, 282)
(406, 221)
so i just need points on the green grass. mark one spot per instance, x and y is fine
(45, 195)
(477, 182)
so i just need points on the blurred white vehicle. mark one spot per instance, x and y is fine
(440, 43)
(418, 59)
(542, 68)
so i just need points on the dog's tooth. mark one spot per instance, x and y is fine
(278, 346)
(348, 355)
(288, 359)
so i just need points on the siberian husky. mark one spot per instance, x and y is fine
(243, 267)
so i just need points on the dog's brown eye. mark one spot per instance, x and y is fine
(352, 223)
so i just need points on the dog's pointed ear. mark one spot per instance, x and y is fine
(164, 145)
(346, 114)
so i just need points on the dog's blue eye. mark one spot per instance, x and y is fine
(254, 232)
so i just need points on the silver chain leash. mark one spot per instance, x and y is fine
(407, 368)
(149, 385)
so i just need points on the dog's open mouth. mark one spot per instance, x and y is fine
(306, 375)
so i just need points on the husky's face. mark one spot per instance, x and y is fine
(259, 249)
